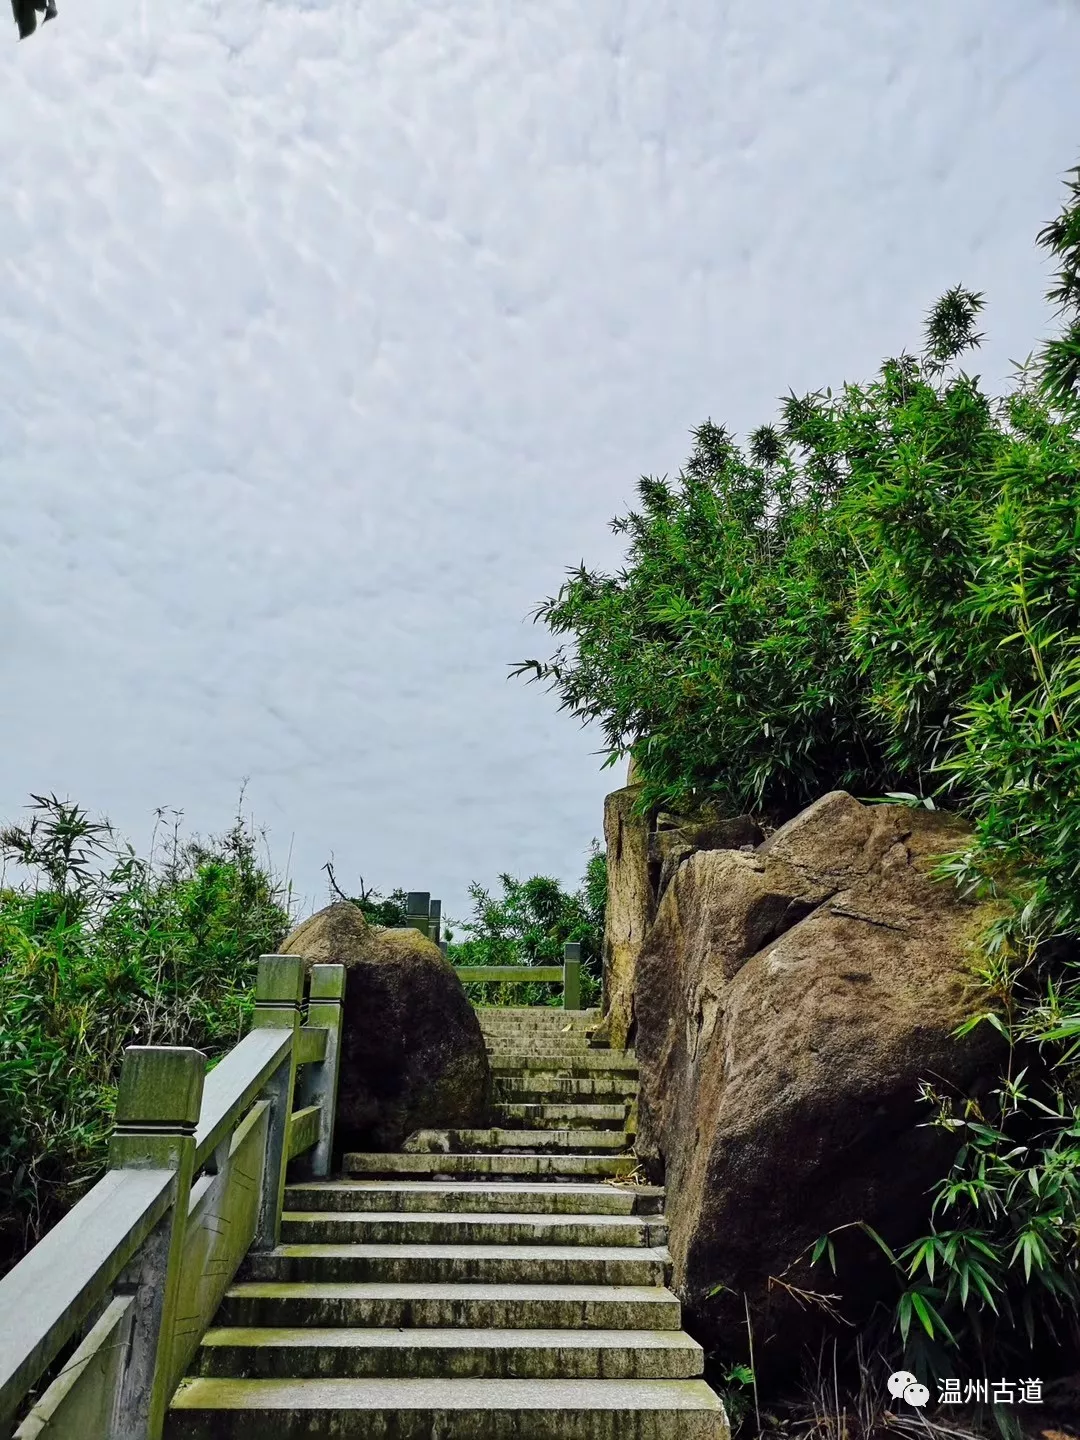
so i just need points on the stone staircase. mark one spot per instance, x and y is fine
(481, 1283)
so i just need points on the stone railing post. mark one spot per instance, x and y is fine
(279, 993)
(157, 1110)
(572, 975)
(318, 1083)
(418, 911)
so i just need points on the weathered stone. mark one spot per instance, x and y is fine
(390, 1409)
(628, 914)
(788, 1002)
(643, 853)
(483, 1306)
(370, 1306)
(677, 837)
(413, 1054)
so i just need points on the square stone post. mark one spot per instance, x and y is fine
(418, 911)
(318, 1083)
(279, 993)
(435, 919)
(572, 975)
(157, 1110)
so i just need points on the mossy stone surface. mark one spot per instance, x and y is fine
(413, 1054)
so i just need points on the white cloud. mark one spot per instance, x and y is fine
(331, 334)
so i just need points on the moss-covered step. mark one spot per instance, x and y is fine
(572, 1166)
(532, 1086)
(458, 1354)
(320, 1227)
(585, 1115)
(546, 1197)
(552, 1042)
(535, 1017)
(577, 1063)
(205, 1409)
(487, 1264)
(477, 1142)
(500, 1307)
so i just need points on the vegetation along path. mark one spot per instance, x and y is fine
(488, 1283)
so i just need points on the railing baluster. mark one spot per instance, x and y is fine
(317, 1083)
(279, 992)
(157, 1109)
(572, 975)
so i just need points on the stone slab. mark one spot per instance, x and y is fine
(476, 1142)
(420, 1409)
(436, 1264)
(527, 1166)
(417, 1228)
(584, 1062)
(459, 1353)
(470, 1196)
(637, 1307)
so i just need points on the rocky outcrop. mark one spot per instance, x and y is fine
(628, 913)
(643, 853)
(788, 1001)
(413, 1054)
(676, 837)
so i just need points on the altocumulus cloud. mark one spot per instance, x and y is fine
(332, 332)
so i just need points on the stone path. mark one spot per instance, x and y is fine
(482, 1283)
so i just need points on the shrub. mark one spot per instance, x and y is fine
(881, 593)
(100, 949)
(528, 925)
(391, 910)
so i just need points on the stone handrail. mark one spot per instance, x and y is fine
(196, 1178)
(568, 974)
(425, 914)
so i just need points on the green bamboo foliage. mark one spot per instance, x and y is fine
(881, 592)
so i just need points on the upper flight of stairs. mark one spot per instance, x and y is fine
(482, 1283)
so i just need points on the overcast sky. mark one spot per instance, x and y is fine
(332, 333)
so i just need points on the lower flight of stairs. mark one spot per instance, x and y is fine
(483, 1283)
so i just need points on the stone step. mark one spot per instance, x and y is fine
(574, 1029)
(527, 1166)
(539, 1087)
(410, 1228)
(535, 1016)
(581, 1039)
(583, 1063)
(543, 1035)
(560, 1049)
(553, 1043)
(559, 1114)
(499, 1307)
(514, 1196)
(478, 1142)
(443, 1264)
(208, 1409)
(528, 1037)
(450, 1354)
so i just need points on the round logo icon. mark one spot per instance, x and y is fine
(905, 1386)
(899, 1382)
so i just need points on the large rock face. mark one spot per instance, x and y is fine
(788, 1002)
(413, 1054)
(628, 913)
(643, 853)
